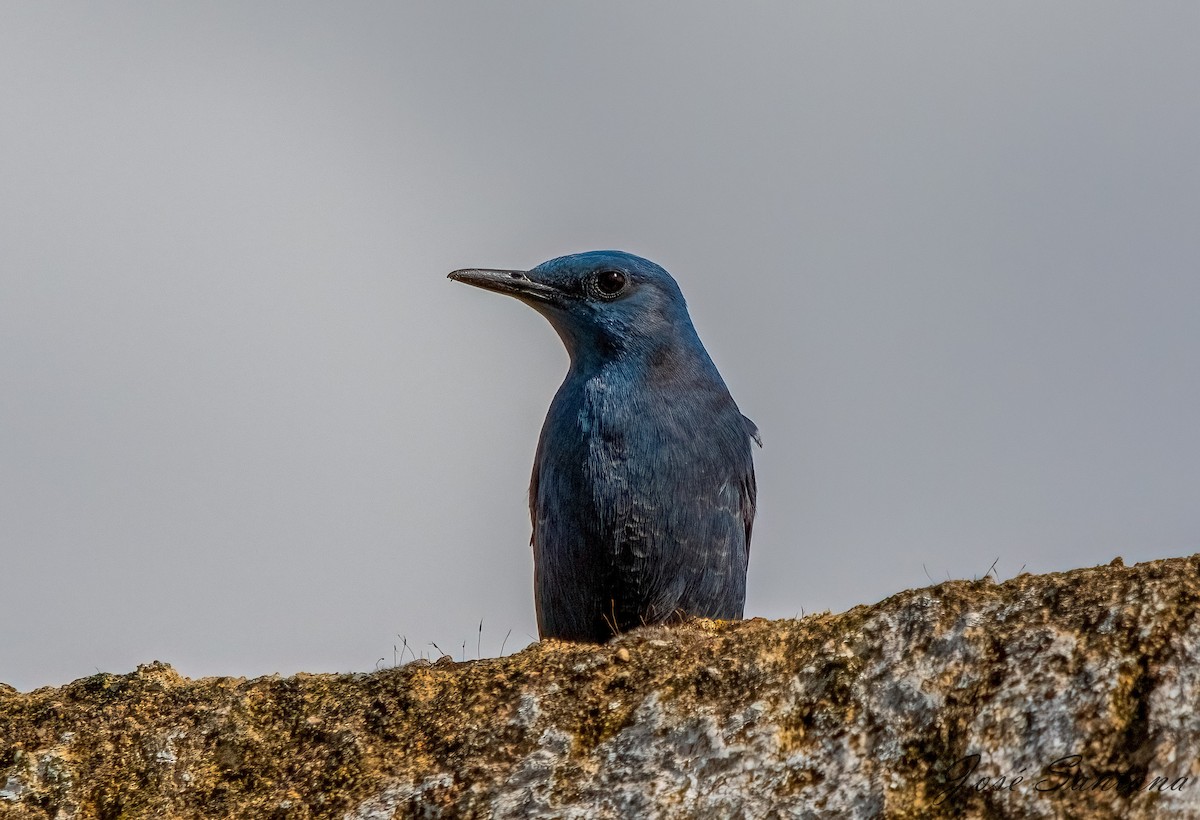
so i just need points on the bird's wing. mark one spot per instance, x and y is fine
(533, 494)
(749, 501)
(749, 487)
(687, 550)
(752, 430)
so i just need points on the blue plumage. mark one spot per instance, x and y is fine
(643, 490)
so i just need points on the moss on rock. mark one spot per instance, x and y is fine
(962, 699)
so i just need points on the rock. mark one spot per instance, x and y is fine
(1072, 694)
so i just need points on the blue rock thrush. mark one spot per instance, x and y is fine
(643, 490)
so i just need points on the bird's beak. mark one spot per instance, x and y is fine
(513, 282)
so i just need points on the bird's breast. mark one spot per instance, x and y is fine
(613, 431)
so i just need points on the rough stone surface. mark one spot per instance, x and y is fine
(879, 711)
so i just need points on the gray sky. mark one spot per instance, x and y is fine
(946, 255)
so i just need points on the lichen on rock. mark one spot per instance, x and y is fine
(1070, 694)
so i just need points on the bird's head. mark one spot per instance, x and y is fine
(602, 303)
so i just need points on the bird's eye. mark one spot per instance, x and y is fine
(610, 282)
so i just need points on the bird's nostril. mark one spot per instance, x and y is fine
(516, 275)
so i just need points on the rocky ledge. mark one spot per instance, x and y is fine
(1071, 694)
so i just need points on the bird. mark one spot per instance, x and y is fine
(643, 493)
